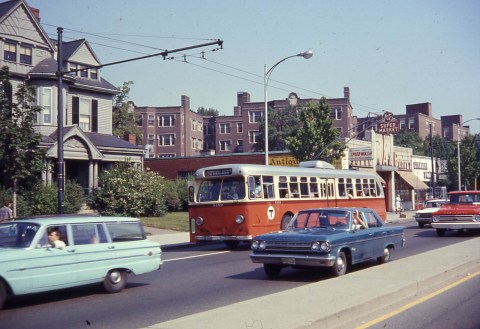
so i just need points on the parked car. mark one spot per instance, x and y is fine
(47, 253)
(462, 212)
(327, 237)
(424, 216)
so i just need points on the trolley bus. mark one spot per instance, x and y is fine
(235, 202)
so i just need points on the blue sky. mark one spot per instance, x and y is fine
(389, 53)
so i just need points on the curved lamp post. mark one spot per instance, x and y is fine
(307, 54)
(458, 152)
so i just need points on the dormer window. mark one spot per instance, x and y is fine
(93, 74)
(84, 71)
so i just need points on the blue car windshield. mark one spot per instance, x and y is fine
(321, 219)
(17, 235)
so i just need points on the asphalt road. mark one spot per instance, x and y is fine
(191, 280)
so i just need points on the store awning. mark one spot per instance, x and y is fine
(412, 180)
(374, 171)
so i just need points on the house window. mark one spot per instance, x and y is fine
(44, 100)
(166, 120)
(336, 113)
(402, 124)
(151, 120)
(84, 71)
(93, 74)
(84, 114)
(25, 55)
(10, 52)
(253, 136)
(139, 120)
(224, 128)
(447, 132)
(239, 127)
(225, 145)
(166, 140)
(151, 139)
(208, 129)
(255, 116)
(411, 123)
(197, 144)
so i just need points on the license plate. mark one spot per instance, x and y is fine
(288, 261)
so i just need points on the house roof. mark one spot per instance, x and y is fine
(97, 139)
(49, 67)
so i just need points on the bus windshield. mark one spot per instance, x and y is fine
(223, 189)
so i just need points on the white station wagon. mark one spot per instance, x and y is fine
(47, 253)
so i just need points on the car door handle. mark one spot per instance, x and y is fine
(111, 247)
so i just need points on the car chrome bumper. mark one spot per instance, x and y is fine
(289, 259)
(457, 226)
(224, 238)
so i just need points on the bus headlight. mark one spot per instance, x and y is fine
(435, 219)
(199, 221)
(239, 219)
(321, 246)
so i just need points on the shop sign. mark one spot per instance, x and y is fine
(388, 124)
(285, 160)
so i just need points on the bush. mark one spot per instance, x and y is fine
(43, 200)
(126, 190)
(177, 195)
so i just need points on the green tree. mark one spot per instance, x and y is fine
(126, 190)
(207, 112)
(21, 159)
(469, 164)
(282, 123)
(124, 120)
(411, 140)
(317, 139)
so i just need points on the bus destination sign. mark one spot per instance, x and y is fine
(389, 124)
(218, 172)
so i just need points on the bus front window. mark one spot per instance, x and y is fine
(233, 188)
(209, 190)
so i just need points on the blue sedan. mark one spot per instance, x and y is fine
(327, 237)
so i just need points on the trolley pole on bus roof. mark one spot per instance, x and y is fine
(266, 76)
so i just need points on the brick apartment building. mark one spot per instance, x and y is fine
(175, 131)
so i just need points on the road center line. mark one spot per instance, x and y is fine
(418, 301)
(197, 256)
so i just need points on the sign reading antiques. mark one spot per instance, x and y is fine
(388, 124)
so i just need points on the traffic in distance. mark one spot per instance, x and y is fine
(54, 252)
(235, 202)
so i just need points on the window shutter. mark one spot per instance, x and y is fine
(75, 110)
(94, 115)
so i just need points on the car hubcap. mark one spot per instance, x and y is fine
(115, 277)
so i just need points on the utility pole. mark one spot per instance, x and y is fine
(433, 163)
(60, 167)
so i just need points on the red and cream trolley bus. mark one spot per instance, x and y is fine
(236, 202)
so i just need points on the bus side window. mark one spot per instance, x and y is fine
(283, 187)
(254, 187)
(268, 190)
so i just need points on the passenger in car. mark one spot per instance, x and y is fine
(54, 239)
(357, 223)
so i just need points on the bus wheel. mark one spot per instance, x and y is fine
(285, 220)
(231, 244)
(272, 270)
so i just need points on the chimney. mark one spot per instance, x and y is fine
(186, 102)
(36, 13)
(346, 93)
(243, 97)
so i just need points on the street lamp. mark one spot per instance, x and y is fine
(306, 54)
(458, 152)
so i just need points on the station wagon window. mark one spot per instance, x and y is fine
(62, 230)
(89, 233)
(17, 235)
(123, 232)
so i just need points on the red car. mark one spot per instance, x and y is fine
(462, 212)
